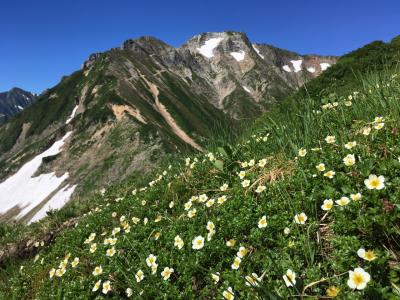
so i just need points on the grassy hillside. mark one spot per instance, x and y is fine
(284, 212)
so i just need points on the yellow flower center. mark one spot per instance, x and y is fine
(358, 279)
(375, 182)
(369, 255)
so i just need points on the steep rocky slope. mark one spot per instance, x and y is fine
(13, 101)
(130, 106)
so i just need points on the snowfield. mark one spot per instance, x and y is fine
(239, 56)
(258, 52)
(296, 65)
(72, 115)
(324, 66)
(208, 48)
(24, 191)
(56, 202)
(286, 68)
(311, 69)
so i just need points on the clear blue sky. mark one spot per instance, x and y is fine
(42, 40)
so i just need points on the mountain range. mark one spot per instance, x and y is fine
(14, 101)
(129, 107)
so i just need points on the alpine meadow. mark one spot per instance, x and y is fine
(220, 169)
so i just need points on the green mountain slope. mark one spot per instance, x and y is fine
(291, 210)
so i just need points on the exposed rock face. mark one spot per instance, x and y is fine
(13, 101)
(130, 106)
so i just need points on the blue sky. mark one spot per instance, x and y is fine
(42, 40)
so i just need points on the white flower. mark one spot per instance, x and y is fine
(236, 263)
(96, 286)
(52, 272)
(290, 278)
(242, 174)
(343, 201)
(210, 226)
(221, 199)
(286, 231)
(262, 163)
(97, 271)
(329, 174)
(231, 243)
(192, 213)
(260, 189)
(203, 198)
(327, 205)
(379, 126)
(366, 130)
(374, 182)
(355, 197)
(358, 279)
(129, 292)
(178, 242)
(300, 218)
(330, 139)
(224, 187)
(349, 160)
(215, 277)
(106, 287)
(75, 262)
(110, 252)
(151, 260)
(262, 223)
(198, 242)
(245, 183)
(188, 205)
(228, 294)
(252, 280)
(242, 252)
(350, 145)
(367, 255)
(302, 152)
(139, 276)
(210, 202)
(167, 273)
(320, 167)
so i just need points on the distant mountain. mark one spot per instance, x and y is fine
(130, 106)
(13, 101)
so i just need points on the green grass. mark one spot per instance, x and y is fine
(321, 252)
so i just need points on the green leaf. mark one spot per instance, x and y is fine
(219, 164)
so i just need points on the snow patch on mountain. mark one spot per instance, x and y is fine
(246, 89)
(207, 49)
(72, 115)
(258, 52)
(24, 191)
(324, 66)
(239, 56)
(311, 69)
(297, 65)
(56, 202)
(286, 68)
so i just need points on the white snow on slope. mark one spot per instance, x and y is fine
(239, 56)
(258, 52)
(296, 65)
(286, 68)
(311, 69)
(209, 46)
(25, 191)
(20, 107)
(56, 202)
(246, 89)
(324, 66)
(72, 115)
